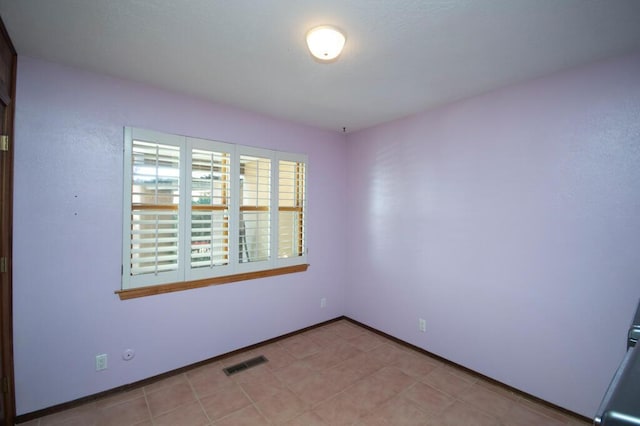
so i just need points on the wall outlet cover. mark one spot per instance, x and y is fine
(101, 362)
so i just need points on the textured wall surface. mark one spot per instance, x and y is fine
(68, 238)
(510, 222)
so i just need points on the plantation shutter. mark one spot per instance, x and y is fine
(291, 209)
(196, 209)
(210, 201)
(152, 220)
(255, 209)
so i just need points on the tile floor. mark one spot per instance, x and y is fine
(337, 374)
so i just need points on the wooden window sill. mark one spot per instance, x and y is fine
(188, 285)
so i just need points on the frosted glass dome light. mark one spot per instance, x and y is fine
(325, 42)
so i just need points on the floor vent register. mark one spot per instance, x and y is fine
(241, 366)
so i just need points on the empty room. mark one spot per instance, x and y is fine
(209, 219)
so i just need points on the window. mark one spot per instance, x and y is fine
(255, 209)
(197, 210)
(209, 166)
(291, 199)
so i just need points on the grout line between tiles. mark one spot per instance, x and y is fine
(146, 401)
(198, 399)
(254, 403)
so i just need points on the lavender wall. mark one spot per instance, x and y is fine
(511, 223)
(67, 238)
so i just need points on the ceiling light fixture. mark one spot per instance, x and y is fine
(325, 42)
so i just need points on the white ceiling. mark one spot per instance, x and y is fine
(401, 56)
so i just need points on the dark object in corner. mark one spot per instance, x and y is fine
(621, 404)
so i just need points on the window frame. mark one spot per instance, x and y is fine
(295, 158)
(270, 155)
(150, 136)
(212, 146)
(186, 277)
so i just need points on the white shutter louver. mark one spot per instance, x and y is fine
(255, 209)
(155, 197)
(291, 208)
(210, 197)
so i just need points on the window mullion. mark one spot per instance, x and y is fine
(275, 212)
(126, 230)
(234, 211)
(184, 210)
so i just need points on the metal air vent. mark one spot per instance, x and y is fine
(244, 365)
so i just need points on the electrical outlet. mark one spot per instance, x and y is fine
(422, 325)
(323, 302)
(101, 362)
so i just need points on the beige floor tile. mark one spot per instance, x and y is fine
(224, 401)
(35, 422)
(342, 378)
(433, 360)
(414, 364)
(340, 410)
(387, 353)
(315, 388)
(521, 415)
(462, 373)
(126, 413)
(300, 346)
(261, 386)
(308, 418)
(430, 399)
(187, 415)
(277, 357)
(372, 419)
(497, 388)
(85, 420)
(207, 380)
(447, 382)
(394, 379)
(294, 372)
(282, 407)
(346, 329)
(325, 358)
(86, 412)
(165, 383)
(544, 409)
(575, 421)
(119, 398)
(487, 400)
(332, 355)
(370, 392)
(166, 399)
(322, 336)
(461, 413)
(366, 341)
(247, 416)
(344, 350)
(401, 411)
(259, 382)
(362, 365)
(79, 421)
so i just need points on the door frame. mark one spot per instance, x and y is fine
(6, 242)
